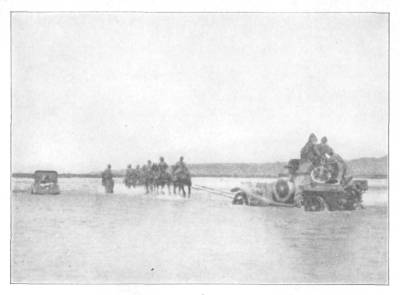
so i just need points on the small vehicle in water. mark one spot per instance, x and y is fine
(313, 187)
(45, 183)
(279, 193)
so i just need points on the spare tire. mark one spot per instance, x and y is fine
(283, 191)
(320, 174)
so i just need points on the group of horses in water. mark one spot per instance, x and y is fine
(155, 180)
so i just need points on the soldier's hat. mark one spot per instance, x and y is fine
(312, 136)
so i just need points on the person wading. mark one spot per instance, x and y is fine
(107, 180)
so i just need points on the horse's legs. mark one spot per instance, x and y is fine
(183, 190)
(189, 190)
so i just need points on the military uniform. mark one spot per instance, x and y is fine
(129, 173)
(310, 153)
(107, 180)
(149, 176)
(342, 166)
(180, 167)
(130, 177)
(324, 149)
(163, 168)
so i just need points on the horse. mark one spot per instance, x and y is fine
(180, 180)
(130, 180)
(149, 180)
(162, 179)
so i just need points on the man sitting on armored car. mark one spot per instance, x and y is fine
(310, 151)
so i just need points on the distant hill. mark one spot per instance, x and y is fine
(371, 167)
(238, 169)
(367, 167)
(363, 167)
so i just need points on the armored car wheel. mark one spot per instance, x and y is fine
(314, 204)
(240, 199)
(283, 191)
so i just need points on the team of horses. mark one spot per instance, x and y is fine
(155, 180)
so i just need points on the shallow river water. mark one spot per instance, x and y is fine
(85, 236)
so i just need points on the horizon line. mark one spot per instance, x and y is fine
(199, 163)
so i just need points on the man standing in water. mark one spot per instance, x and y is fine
(107, 180)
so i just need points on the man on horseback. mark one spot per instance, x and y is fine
(182, 177)
(148, 176)
(180, 166)
(162, 166)
(129, 179)
(137, 173)
(162, 176)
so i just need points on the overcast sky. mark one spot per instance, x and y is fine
(92, 89)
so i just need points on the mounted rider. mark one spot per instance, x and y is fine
(148, 176)
(154, 171)
(129, 171)
(162, 167)
(137, 172)
(130, 176)
(181, 176)
(181, 168)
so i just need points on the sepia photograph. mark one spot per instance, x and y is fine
(199, 148)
